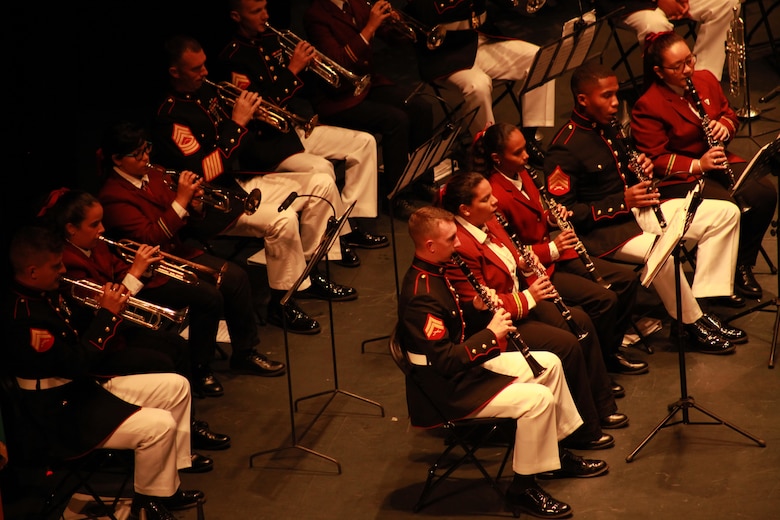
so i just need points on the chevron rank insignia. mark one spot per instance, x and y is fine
(41, 339)
(558, 182)
(434, 328)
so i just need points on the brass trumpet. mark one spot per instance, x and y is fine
(268, 112)
(324, 67)
(409, 27)
(171, 266)
(213, 196)
(136, 311)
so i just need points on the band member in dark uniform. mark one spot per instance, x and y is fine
(499, 154)
(256, 60)
(496, 263)
(457, 347)
(667, 126)
(587, 172)
(68, 412)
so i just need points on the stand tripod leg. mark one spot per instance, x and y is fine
(719, 420)
(675, 408)
(775, 334)
(295, 447)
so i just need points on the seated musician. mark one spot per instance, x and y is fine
(612, 210)
(69, 412)
(666, 127)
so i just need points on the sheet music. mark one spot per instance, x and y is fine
(541, 64)
(759, 164)
(584, 39)
(664, 246)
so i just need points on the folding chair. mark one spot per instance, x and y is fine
(463, 435)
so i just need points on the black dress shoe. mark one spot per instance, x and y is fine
(617, 389)
(205, 439)
(152, 507)
(207, 385)
(701, 339)
(256, 364)
(295, 319)
(733, 301)
(602, 443)
(574, 466)
(323, 289)
(349, 257)
(200, 464)
(733, 334)
(184, 499)
(365, 240)
(619, 364)
(537, 502)
(614, 421)
(746, 284)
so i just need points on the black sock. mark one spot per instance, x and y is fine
(522, 482)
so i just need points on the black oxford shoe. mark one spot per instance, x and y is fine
(733, 301)
(602, 443)
(365, 240)
(614, 421)
(617, 389)
(746, 284)
(295, 319)
(619, 364)
(574, 466)
(255, 364)
(323, 289)
(733, 334)
(152, 507)
(349, 257)
(205, 439)
(701, 339)
(184, 499)
(200, 464)
(537, 502)
(207, 385)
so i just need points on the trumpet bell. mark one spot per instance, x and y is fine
(252, 201)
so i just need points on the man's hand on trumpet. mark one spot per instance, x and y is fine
(245, 107)
(114, 297)
(301, 57)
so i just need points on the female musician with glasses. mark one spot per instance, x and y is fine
(496, 263)
(667, 126)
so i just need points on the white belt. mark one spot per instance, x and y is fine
(417, 359)
(463, 25)
(42, 384)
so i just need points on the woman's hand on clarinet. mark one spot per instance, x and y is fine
(491, 295)
(566, 239)
(501, 324)
(542, 289)
(638, 196)
(713, 159)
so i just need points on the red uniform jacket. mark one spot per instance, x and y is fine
(101, 266)
(668, 129)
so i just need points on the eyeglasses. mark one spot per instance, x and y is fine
(690, 61)
(139, 154)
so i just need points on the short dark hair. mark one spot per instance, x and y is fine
(424, 221)
(177, 45)
(588, 75)
(31, 245)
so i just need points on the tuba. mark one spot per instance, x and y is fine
(136, 311)
(321, 65)
(274, 115)
(736, 54)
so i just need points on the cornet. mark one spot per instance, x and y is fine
(136, 311)
(217, 198)
(321, 65)
(268, 112)
(408, 27)
(171, 266)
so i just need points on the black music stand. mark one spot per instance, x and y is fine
(671, 242)
(759, 166)
(424, 157)
(568, 53)
(334, 227)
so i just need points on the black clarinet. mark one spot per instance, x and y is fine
(711, 141)
(514, 337)
(564, 224)
(525, 253)
(636, 167)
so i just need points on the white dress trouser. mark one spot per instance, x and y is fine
(503, 59)
(159, 432)
(357, 149)
(543, 407)
(714, 17)
(715, 228)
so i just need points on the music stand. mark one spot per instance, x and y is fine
(759, 166)
(567, 53)
(424, 157)
(332, 231)
(659, 255)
